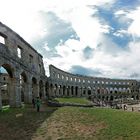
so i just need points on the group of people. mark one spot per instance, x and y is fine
(36, 103)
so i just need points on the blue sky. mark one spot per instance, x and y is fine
(90, 37)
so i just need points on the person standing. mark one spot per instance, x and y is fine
(38, 102)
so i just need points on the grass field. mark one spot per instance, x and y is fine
(23, 123)
(83, 101)
(69, 123)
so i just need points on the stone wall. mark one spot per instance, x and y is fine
(63, 84)
(24, 66)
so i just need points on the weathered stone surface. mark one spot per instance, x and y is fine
(62, 84)
(24, 66)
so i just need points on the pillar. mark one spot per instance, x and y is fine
(51, 91)
(81, 91)
(61, 91)
(92, 92)
(44, 92)
(86, 94)
(36, 89)
(56, 91)
(15, 92)
(74, 91)
(78, 91)
(29, 92)
(70, 95)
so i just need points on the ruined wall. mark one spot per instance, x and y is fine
(67, 84)
(21, 60)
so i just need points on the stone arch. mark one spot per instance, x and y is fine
(115, 90)
(111, 98)
(6, 85)
(89, 91)
(9, 69)
(111, 90)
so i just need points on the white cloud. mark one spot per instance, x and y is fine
(120, 33)
(120, 12)
(134, 27)
(79, 14)
(124, 64)
(25, 18)
(46, 47)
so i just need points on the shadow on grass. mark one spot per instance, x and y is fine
(24, 123)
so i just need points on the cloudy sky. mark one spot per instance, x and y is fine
(89, 37)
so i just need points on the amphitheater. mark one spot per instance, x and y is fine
(25, 77)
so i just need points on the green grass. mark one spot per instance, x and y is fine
(69, 123)
(77, 100)
(120, 124)
(22, 123)
(95, 123)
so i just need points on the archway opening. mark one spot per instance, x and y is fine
(6, 74)
(137, 97)
(111, 98)
(76, 91)
(68, 91)
(84, 91)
